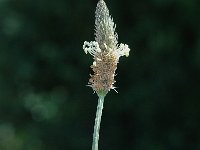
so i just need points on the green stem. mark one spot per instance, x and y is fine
(97, 122)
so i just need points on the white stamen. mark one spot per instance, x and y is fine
(123, 50)
(91, 47)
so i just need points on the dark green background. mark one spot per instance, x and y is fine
(44, 101)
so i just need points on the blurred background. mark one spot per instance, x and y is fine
(44, 101)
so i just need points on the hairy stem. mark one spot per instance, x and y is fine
(97, 122)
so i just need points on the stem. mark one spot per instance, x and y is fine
(97, 122)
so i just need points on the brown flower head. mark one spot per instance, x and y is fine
(105, 50)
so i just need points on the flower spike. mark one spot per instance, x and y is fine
(105, 50)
